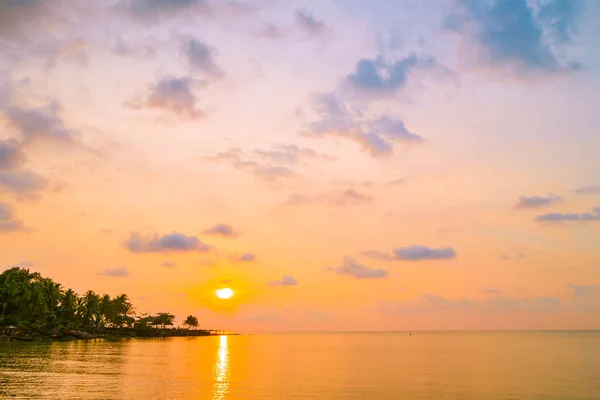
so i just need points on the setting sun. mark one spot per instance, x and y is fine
(225, 293)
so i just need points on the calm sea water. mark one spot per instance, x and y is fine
(310, 366)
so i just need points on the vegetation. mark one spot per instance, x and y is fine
(38, 304)
(191, 321)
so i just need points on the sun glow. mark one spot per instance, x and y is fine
(225, 293)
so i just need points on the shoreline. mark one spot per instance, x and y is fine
(20, 334)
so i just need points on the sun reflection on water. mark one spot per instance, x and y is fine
(221, 371)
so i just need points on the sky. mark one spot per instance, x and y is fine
(341, 165)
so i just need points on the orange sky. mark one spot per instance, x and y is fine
(340, 166)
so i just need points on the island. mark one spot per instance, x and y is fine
(33, 307)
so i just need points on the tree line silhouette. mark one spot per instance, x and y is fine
(39, 304)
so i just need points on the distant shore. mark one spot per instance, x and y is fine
(13, 333)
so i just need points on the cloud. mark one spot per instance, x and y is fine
(508, 257)
(151, 10)
(414, 253)
(336, 117)
(290, 154)
(269, 31)
(379, 255)
(168, 264)
(299, 199)
(287, 280)
(583, 290)
(418, 253)
(338, 198)
(352, 268)
(350, 197)
(19, 18)
(42, 125)
(8, 223)
(23, 184)
(491, 291)
(537, 201)
(560, 18)
(431, 302)
(201, 58)
(239, 160)
(594, 215)
(308, 23)
(224, 230)
(588, 190)
(509, 33)
(381, 77)
(119, 272)
(39, 123)
(11, 155)
(244, 257)
(171, 242)
(172, 94)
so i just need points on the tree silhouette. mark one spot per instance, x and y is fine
(191, 321)
(31, 301)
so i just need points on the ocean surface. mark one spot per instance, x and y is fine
(310, 366)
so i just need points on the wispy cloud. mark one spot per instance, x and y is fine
(526, 202)
(243, 258)
(118, 272)
(241, 161)
(24, 184)
(153, 10)
(287, 280)
(11, 155)
(40, 123)
(593, 215)
(506, 256)
(583, 290)
(352, 268)
(168, 264)
(171, 242)
(308, 23)
(290, 154)
(337, 198)
(381, 78)
(201, 58)
(224, 230)
(336, 118)
(414, 253)
(172, 94)
(431, 302)
(492, 291)
(593, 189)
(8, 222)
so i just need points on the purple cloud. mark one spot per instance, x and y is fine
(287, 280)
(172, 242)
(224, 230)
(525, 202)
(414, 253)
(119, 272)
(351, 267)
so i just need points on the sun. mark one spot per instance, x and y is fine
(225, 293)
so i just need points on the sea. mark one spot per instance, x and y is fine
(553, 365)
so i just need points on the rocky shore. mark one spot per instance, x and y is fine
(13, 333)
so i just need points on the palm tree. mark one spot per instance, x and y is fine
(68, 306)
(163, 319)
(91, 306)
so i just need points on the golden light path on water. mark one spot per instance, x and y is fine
(221, 371)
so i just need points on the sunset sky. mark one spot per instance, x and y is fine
(340, 164)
